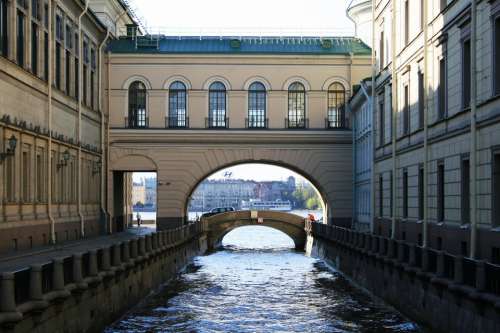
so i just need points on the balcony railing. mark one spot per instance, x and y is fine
(297, 123)
(136, 123)
(217, 122)
(176, 122)
(256, 122)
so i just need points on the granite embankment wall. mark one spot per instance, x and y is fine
(443, 292)
(86, 291)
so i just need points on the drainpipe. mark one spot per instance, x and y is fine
(80, 87)
(49, 148)
(372, 127)
(103, 129)
(394, 107)
(425, 236)
(473, 144)
(108, 102)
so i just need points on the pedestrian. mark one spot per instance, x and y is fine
(138, 220)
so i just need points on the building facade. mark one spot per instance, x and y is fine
(436, 116)
(360, 115)
(186, 107)
(51, 122)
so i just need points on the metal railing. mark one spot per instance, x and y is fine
(296, 123)
(136, 123)
(177, 122)
(217, 122)
(256, 122)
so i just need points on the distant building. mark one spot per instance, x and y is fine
(231, 193)
(360, 11)
(138, 193)
(150, 191)
(359, 109)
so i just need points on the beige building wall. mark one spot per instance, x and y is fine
(45, 198)
(448, 140)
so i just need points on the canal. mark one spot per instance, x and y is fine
(258, 283)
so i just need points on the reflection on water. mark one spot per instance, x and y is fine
(258, 283)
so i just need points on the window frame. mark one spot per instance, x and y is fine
(337, 96)
(176, 94)
(137, 97)
(217, 105)
(257, 105)
(296, 115)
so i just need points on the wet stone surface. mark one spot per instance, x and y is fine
(257, 283)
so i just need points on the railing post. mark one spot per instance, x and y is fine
(425, 259)
(134, 248)
(58, 274)
(459, 270)
(401, 251)
(77, 268)
(36, 282)
(8, 296)
(480, 275)
(142, 246)
(106, 264)
(412, 255)
(117, 255)
(126, 251)
(440, 264)
(93, 268)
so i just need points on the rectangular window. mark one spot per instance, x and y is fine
(34, 48)
(442, 89)
(466, 74)
(46, 56)
(406, 110)
(381, 123)
(422, 16)
(440, 192)
(77, 79)
(84, 85)
(421, 99)
(68, 73)
(26, 177)
(35, 9)
(405, 193)
(380, 196)
(20, 38)
(39, 178)
(391, 203)
(381, 50)
(58, 66)
(92, 90)
(10, 179)
(407, 22)
(496, 190)
(4, 30)
(496, 55)
(465, 191)
(421, 193)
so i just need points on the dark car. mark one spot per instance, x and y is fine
(218, 210)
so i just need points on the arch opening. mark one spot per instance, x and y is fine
(257, 238)
(257, 186)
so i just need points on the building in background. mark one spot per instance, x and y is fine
(360, 115)
(360, 12)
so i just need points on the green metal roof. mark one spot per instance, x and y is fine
(240, 45)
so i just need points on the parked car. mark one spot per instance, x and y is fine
(218, 210)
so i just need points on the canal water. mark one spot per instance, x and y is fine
(258, 283)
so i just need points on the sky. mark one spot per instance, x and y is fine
(239, 17)
(250, 171)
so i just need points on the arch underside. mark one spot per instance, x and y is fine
(290, 224)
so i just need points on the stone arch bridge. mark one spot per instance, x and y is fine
(219, 225)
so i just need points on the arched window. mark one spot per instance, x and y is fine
(296, 106)
(177, 105)
(137, 105)
(217, 105)
(257, 106)
(336, 106)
